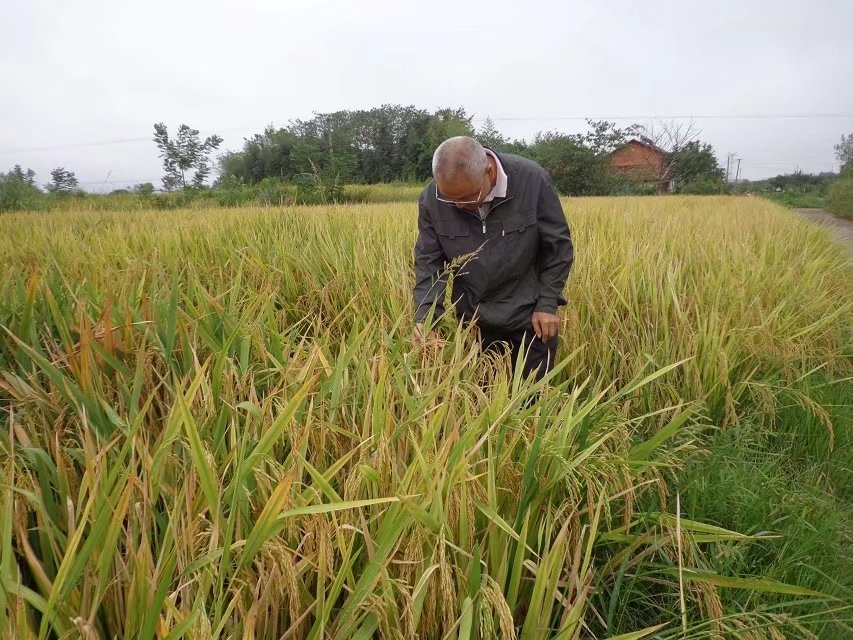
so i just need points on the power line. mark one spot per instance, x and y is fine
(100, 143)
(75, 146)
(131, 181)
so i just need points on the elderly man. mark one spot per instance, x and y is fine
(498, 219)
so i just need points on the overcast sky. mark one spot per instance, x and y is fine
(90, 71)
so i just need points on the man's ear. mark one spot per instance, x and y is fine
(492, 170)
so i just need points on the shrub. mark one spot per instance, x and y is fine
(144, 189)
(314, 188)
(702, 185)
(620, 184)
(17, 194)
(840, 197)
(273, 192)
(233, 191)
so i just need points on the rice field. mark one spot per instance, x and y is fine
(213, 425)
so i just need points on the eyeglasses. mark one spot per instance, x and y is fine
(457, 203)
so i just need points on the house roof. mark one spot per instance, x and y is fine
(648, 144)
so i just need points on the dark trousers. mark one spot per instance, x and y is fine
(539, 357)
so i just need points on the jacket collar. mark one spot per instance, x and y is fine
(501, 180)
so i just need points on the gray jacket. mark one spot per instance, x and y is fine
(507, 265)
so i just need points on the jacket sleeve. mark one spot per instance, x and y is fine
(556, 252)
(430, 268)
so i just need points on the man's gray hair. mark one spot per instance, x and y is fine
(460, 155)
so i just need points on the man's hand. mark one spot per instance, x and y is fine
(545, 325)
(431, 339)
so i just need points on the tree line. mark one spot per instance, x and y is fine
(310, 160)
(19, 189)
(826, 190)
(395, 143)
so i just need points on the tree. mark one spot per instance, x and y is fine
(444, 124)
(324, 149)
(519, 148)
(62, 181)
(381, 139)
(143, 188)
(386, 143)
(184, 153)
(27, 177)
(695, 170)
(605, 137)
(490, 137)
(579, 164)
(18, 190)
(686, 159)
(844, 153)
(265, 155)
(839, 197)
(574, 167)
(396, 142)
(797, 182)
(232, 164)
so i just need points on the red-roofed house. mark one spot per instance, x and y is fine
(644, 162)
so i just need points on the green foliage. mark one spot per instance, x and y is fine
(844, 153)
(143, 188)
(395, 143)
(490, 137)
(18, 190)
(313, 188)
(702, 184)
(265, 155)
(794, 480)
(797, 200)
(384, 144)
(795, 182)
(517, 147)
(695, 170)
(324, 147)
(605, 137)
(62, 182)
(797, 189)
(231, 192)
(184, 153)
(579, 164)
(620, 184)
(839, 199)
(575, 168)
(28, 177)
(801, 182)
(445, 124)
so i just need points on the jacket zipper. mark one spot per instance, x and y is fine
(482, 217)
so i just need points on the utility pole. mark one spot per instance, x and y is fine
(737, 175)
(730, 158)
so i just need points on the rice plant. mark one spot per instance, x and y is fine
(214, 425)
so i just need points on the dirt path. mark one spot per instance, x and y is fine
(843, 228)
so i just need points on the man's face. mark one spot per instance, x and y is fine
(465, 193)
